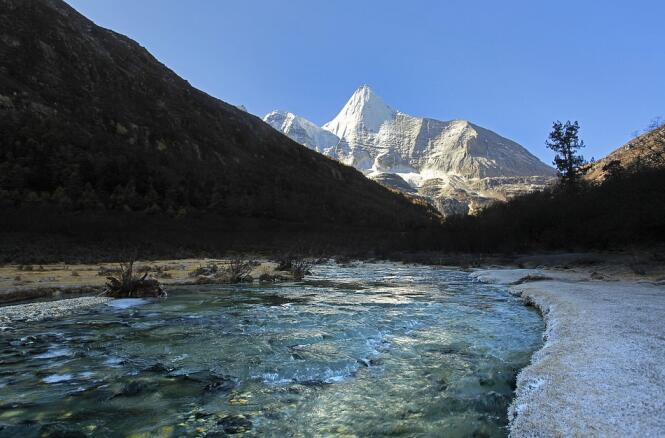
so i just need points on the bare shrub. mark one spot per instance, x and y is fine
(128, 284)
(298, 266)
(238, 270)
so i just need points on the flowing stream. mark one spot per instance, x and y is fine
(376, 349)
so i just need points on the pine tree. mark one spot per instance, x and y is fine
(564, 140)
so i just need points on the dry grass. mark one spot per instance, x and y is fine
(17, 280)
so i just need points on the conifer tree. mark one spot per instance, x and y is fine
(564, 140)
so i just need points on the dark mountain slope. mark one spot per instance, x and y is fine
(619, 204)
(90, 121)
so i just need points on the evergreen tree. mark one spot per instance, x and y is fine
(564, 140)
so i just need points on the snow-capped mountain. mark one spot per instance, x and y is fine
(303, 131)
(442, 160)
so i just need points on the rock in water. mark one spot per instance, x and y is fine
(235, 424)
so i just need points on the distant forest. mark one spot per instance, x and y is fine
(623, 212)
(60, 203)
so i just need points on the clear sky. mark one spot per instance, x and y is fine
(512, 66)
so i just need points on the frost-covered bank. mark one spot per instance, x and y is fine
(47, 309)
(601, 371)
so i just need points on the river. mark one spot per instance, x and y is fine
(368, 349)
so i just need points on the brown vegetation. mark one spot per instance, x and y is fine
(128, 284)
(297, 266)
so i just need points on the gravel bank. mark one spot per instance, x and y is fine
(601, 371)
(47, 309)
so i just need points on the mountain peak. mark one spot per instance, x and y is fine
(365, 110)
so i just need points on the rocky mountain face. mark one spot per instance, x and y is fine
(89, 120)
(459, 166)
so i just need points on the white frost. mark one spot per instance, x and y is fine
(601, 371)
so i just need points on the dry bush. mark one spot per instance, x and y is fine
(238, 270)
(298, 266)
(128, 283)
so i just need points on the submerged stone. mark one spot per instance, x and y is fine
(220, 384)
(133, 389)
(235, 424)
(159, 368)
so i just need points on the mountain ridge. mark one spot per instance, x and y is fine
(377, 139)
(91, 121)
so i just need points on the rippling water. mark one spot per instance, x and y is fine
(367, 350)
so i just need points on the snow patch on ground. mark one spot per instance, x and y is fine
(601, 371)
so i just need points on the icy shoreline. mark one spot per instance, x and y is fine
(601, 371)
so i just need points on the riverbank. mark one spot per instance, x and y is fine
(26, 283)
(46, 309)
(600, 372)
(30, 293)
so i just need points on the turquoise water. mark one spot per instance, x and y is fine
(368, 350)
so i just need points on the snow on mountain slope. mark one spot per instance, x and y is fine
(303, 131)
(444, 159)
(364, 112)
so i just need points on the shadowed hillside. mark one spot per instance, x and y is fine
(93, 127)
(619, 204)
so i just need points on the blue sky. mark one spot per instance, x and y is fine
(510, 66)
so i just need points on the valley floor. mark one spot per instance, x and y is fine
(36, 292)
(52, 281)
(601, 371)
